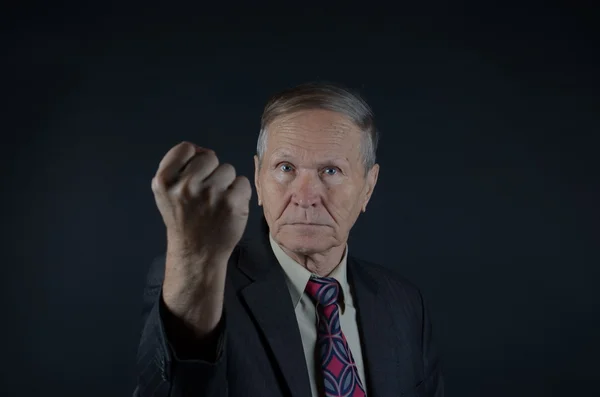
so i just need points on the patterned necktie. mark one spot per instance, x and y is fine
(340, 375)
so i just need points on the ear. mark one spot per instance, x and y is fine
(257, 179)
(371, 182)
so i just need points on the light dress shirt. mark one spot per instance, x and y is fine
(297, 277)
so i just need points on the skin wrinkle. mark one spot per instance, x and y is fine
(312, 171)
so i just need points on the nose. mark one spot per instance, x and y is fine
(306, 190)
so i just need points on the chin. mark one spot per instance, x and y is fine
(306, 239)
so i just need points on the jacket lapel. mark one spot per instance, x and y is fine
(270, 303)
(379, 343)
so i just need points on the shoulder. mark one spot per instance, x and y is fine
(389, 281)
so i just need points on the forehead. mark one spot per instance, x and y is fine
(313, 130)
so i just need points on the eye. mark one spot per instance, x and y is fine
(285, 167)
(331, 170)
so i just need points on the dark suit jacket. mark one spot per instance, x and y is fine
(260, 349)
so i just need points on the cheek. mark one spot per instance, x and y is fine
(343, 202)
(273, 192)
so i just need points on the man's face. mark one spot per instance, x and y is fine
(312, 182)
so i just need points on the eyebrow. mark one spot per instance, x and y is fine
(284, 155)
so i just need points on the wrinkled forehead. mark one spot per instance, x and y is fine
(313, 130)
(314, 120)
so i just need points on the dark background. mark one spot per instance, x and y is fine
(487, 198)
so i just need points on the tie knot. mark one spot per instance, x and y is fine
(323, 290)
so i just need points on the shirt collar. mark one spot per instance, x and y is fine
(297, 276)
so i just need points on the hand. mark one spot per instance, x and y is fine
(203, 204)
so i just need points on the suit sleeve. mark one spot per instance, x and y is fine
(433, 384)
(163, 371)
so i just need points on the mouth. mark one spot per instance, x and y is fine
(305, 224)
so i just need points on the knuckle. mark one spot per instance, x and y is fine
(186, 148)
(231, 174)
(158, 183)
(212, 160)
(182, 192)
(207, 160)
(186, 144)
(244, 183)
(178, 190)
(230, 201)
(228, 169)
(209, 156)
(247, 190)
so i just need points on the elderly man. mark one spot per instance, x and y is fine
(290, 312)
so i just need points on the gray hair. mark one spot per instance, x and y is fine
(325, 96)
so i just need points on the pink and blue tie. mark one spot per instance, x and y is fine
(340, 375)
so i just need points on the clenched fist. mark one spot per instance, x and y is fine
(204, 206)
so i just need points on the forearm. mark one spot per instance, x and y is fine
(170, 358)
(198, 368)
(192, 300)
